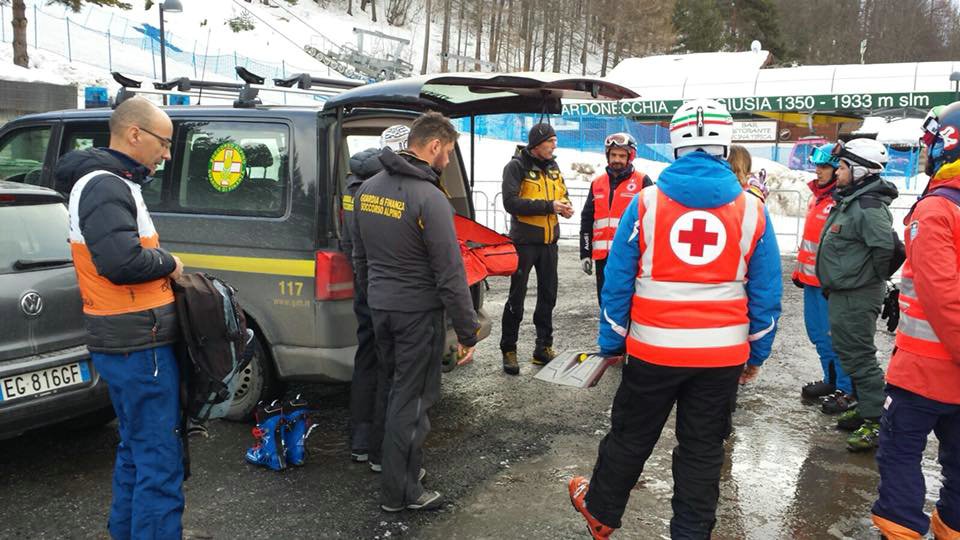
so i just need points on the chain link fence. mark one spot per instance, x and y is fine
(99, 37)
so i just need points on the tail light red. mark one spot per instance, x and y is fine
(334, 276)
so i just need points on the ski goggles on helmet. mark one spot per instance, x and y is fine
(823, 155)
(620, 139)
(931, 130)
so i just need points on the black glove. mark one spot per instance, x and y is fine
(891, 308)
(797, 283)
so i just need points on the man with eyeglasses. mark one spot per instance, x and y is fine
(128, 305)
(610, 193)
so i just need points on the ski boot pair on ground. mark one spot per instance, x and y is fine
(865, 431)
(832, 400)
(281, 432)
(541, 357)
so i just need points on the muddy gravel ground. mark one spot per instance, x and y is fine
(500, 451)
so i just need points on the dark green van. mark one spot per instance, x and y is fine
(252, 195)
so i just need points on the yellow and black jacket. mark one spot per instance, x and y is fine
(530, 186)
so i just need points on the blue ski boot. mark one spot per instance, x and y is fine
(270, 450)
(298, 428)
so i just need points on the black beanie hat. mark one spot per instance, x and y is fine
(539, 133)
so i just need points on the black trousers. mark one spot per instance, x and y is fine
(410, 348)
(641, 407)
(543, 258)
(363, 385)
(598, 266)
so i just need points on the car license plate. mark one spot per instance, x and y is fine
(44, 381)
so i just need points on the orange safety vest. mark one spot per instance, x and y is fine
(100, 295)
(817, 213)
(606, 216)
(914, 333)
(690, 304)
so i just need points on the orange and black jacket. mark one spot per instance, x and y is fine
(530, 186)
(122, 271)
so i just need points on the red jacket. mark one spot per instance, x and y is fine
(817, 213)
(932, 238)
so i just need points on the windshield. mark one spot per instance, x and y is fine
(35, 232)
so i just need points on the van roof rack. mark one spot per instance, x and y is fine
(245, 94)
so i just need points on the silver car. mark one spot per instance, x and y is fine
(46, 375)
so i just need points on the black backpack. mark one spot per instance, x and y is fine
(215, 345)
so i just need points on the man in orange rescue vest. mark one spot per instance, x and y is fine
(610, 193)
(692, 293)
(124, 277)
(923, 378)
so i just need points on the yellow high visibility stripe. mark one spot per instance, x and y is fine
(255, 265)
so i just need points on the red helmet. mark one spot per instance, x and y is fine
(621, 140)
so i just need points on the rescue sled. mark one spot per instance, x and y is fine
(485, 252)
(577, 369)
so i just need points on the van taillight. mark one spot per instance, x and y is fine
(334, 277)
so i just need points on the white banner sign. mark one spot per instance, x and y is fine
(754, 131)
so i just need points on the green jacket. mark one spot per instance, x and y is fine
(856, 244)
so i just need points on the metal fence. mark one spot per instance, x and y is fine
(99, 37)
(490, 213)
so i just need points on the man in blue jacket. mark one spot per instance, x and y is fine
(692, 295)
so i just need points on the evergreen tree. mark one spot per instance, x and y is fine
(699, 26)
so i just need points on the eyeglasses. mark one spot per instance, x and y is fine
(166, 142)
(619, 139)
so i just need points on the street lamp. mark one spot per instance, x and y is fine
(955, 78)
(171, 6)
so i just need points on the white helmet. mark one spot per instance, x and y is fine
(395, 137)
(701, 124)
(863, 156)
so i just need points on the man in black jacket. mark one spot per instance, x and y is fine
(408, 260)
(534, 194)
(366, 427)
(124, 278)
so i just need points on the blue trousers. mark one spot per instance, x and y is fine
(148, 473)
(817, 322)
(907, 420)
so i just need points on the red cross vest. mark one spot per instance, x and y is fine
(817, 213)
(690, 303)
(606, 215)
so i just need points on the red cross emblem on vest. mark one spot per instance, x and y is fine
(698, 237)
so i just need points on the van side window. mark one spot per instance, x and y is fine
(22, 153)
(81, 136)
(238, 168)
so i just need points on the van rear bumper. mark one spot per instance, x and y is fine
(317, 364)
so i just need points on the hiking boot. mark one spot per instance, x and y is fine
(542, 357)
(866, 437)
(849, 420)
(817, 389)
(269, 450)
(837, 403)
(510, 365)
(578, 488)
(428, 500)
